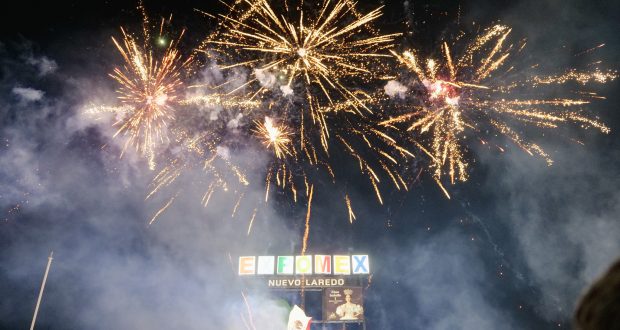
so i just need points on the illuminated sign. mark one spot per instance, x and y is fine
(356, 264)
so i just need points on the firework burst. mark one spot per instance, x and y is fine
(307, 62)
(150, 87)
(274, 137)
(319, 48)
(475, 89)
(181, 128)
(312, 54)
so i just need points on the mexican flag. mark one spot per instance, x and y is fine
(297, 320)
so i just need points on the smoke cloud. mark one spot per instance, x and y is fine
(513, 249)
(286, 90)
(67, 190)
(393, 89)
(43, 64)
(28, 94)
(265, 78)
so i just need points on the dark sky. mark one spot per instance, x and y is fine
(512, 249)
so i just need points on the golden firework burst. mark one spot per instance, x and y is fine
(149, 86)
(319, 47)
(274, 137)
(466, 90)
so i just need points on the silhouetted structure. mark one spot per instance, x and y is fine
(599, 309)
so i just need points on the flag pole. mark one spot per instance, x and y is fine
(36, 308)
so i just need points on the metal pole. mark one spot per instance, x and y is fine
(36, 308)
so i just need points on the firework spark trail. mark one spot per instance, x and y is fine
(307, 227)
(200, 153)
(590, 50)
(163, 209)
(575, 75)
(252, 221)
(250, 322)
(219, 100)
(237, 204)
(349, 209)
(304, 247)
(463, 92)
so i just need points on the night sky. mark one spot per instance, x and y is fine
(513, 248)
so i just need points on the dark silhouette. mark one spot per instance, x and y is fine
(599, 309)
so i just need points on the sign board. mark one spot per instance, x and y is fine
(309, 282)
(345, 265)
(343, 304)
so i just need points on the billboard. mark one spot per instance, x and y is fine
(357, 264)
(343, 304)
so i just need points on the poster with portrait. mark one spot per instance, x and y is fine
(343, 304)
